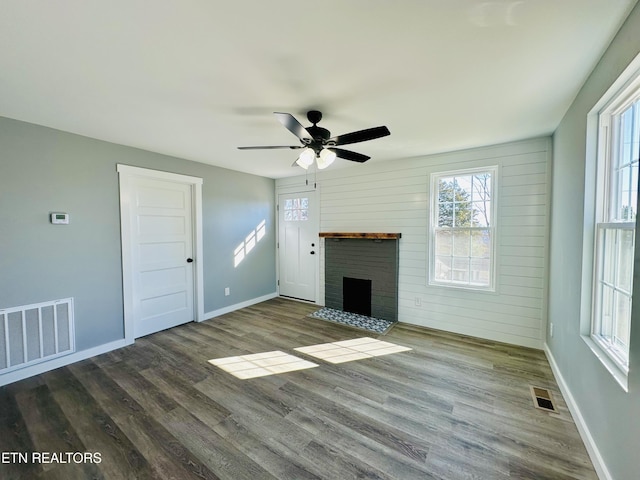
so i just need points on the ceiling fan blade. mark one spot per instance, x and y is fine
(270, 147)
(294, 126)
(349, 155)
(360, 136)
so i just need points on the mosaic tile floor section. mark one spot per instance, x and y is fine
(363, 322)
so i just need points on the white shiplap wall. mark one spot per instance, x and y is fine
(394, 197)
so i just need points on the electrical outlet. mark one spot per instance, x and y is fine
(418, 302)
(551, 329)
(227, 291)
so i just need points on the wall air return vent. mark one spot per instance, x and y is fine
(35, 333)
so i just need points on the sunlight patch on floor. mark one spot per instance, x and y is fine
(261, 364)
(349, 350)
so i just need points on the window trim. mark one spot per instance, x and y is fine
(433, 225)
(597, 181)
(606, 161)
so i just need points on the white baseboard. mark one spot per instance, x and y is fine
(37, 369)
(238, 306)
(583, 429)
(58, 362)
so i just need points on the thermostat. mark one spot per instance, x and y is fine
(60, 218)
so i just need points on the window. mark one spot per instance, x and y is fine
(617, 203)
(296, 209)
(463, 229)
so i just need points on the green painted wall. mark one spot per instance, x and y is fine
(611, 415)
(44, 170)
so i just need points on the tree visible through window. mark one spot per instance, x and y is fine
(462, 229)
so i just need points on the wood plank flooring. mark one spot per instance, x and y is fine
(453, 407)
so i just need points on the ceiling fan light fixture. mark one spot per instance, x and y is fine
(305, 160)
(326, 158)
(317, 141)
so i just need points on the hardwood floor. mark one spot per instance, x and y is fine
(453, 407)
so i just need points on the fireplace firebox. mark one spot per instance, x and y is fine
(356, 296)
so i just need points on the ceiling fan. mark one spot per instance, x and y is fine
(318, 144)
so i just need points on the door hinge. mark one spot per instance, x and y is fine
(278, 282)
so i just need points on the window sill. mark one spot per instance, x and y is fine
(612, 367)
(462, 286)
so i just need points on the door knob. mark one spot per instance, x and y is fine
(312, 252)
(189, 260)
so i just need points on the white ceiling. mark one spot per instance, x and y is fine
(197, 78)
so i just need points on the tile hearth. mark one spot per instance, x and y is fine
(356, 320)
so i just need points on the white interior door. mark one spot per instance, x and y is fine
(161, 242)
(298, 245)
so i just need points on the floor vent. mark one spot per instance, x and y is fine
(35, 333)
(542, 399)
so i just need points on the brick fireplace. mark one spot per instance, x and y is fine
(361, 273)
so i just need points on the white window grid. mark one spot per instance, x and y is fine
(487, 230)
(613, 285)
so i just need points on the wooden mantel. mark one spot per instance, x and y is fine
(374, 236)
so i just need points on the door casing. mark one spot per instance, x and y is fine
(125, 173)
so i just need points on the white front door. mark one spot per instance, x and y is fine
(160, 246)
(298, 245)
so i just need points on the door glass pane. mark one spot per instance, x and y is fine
(296, 209)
